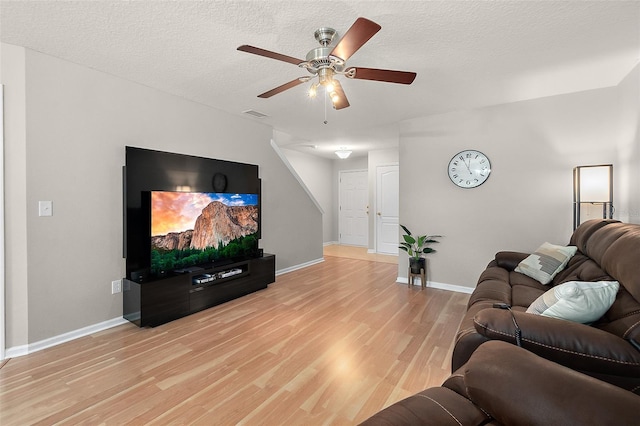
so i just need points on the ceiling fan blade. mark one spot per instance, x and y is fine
(342, 101)
(270, 54)
(389, 76)
(282, 88)
(355, 37)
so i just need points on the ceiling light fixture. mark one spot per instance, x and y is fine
(343, 153)
(327, 81)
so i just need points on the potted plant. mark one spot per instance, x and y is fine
(416, 247)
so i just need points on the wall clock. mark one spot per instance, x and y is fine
(469, 169)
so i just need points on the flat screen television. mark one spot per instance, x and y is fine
(191, 229)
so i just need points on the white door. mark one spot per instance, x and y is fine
(352, 219)
(387, 209)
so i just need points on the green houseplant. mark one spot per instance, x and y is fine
(416, 247)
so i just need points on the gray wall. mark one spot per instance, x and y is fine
(316, 173)
(66, 135)
(533, 147)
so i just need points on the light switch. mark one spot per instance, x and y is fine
(45, 208)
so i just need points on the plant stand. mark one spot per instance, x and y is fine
(423, 282)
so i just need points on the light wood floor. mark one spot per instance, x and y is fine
(330, 344)
(354, 252)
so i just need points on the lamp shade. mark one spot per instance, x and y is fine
(592, 190)
(595, 184)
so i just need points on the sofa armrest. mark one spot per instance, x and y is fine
(509, 259)
(578, 346)
(434, 406)
(516, 387)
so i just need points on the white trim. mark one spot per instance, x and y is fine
(300, 266)
(2, 225)
(330, 243)
(286, 162)
(65, 337)
(440, 286)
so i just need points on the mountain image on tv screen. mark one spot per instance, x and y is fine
(194, 228)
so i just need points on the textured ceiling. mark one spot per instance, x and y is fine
(466, 54)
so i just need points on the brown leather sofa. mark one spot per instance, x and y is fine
(607, 250)
(502, 384)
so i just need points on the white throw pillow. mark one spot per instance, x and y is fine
(545, 263)
(579, 301)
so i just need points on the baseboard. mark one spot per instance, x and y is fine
(300, 266)
(329, 243)
(62, 338)
(440, 286)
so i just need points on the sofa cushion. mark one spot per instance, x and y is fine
(523, 296)
(620, 259)
(581, 268)
(582, 234)
(583, 302)
(543, 264)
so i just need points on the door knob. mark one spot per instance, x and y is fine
(379, 214)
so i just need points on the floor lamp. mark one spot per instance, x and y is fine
(592, 186)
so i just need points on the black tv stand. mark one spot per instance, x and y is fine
(156, 302)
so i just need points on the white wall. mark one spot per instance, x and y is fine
(68, 146)
(627, 166)
(533, 147)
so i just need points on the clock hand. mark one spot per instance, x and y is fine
(468, 166)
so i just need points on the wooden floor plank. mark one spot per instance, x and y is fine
(329, 344)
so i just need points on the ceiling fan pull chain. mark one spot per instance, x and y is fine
(325, 109)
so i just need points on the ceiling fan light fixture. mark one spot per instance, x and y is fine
(313, 90)
(343, 153)
(329, 86)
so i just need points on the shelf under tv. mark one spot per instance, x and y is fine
(156, 302)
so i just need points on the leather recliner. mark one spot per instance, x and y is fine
(502, 384)
(608, 349)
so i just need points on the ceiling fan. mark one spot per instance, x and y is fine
(326, 62)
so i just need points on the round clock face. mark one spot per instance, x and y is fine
(469, 169)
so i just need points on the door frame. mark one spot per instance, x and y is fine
(2, 225)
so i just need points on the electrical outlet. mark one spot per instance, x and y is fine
(116, 286)
(45, 208)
